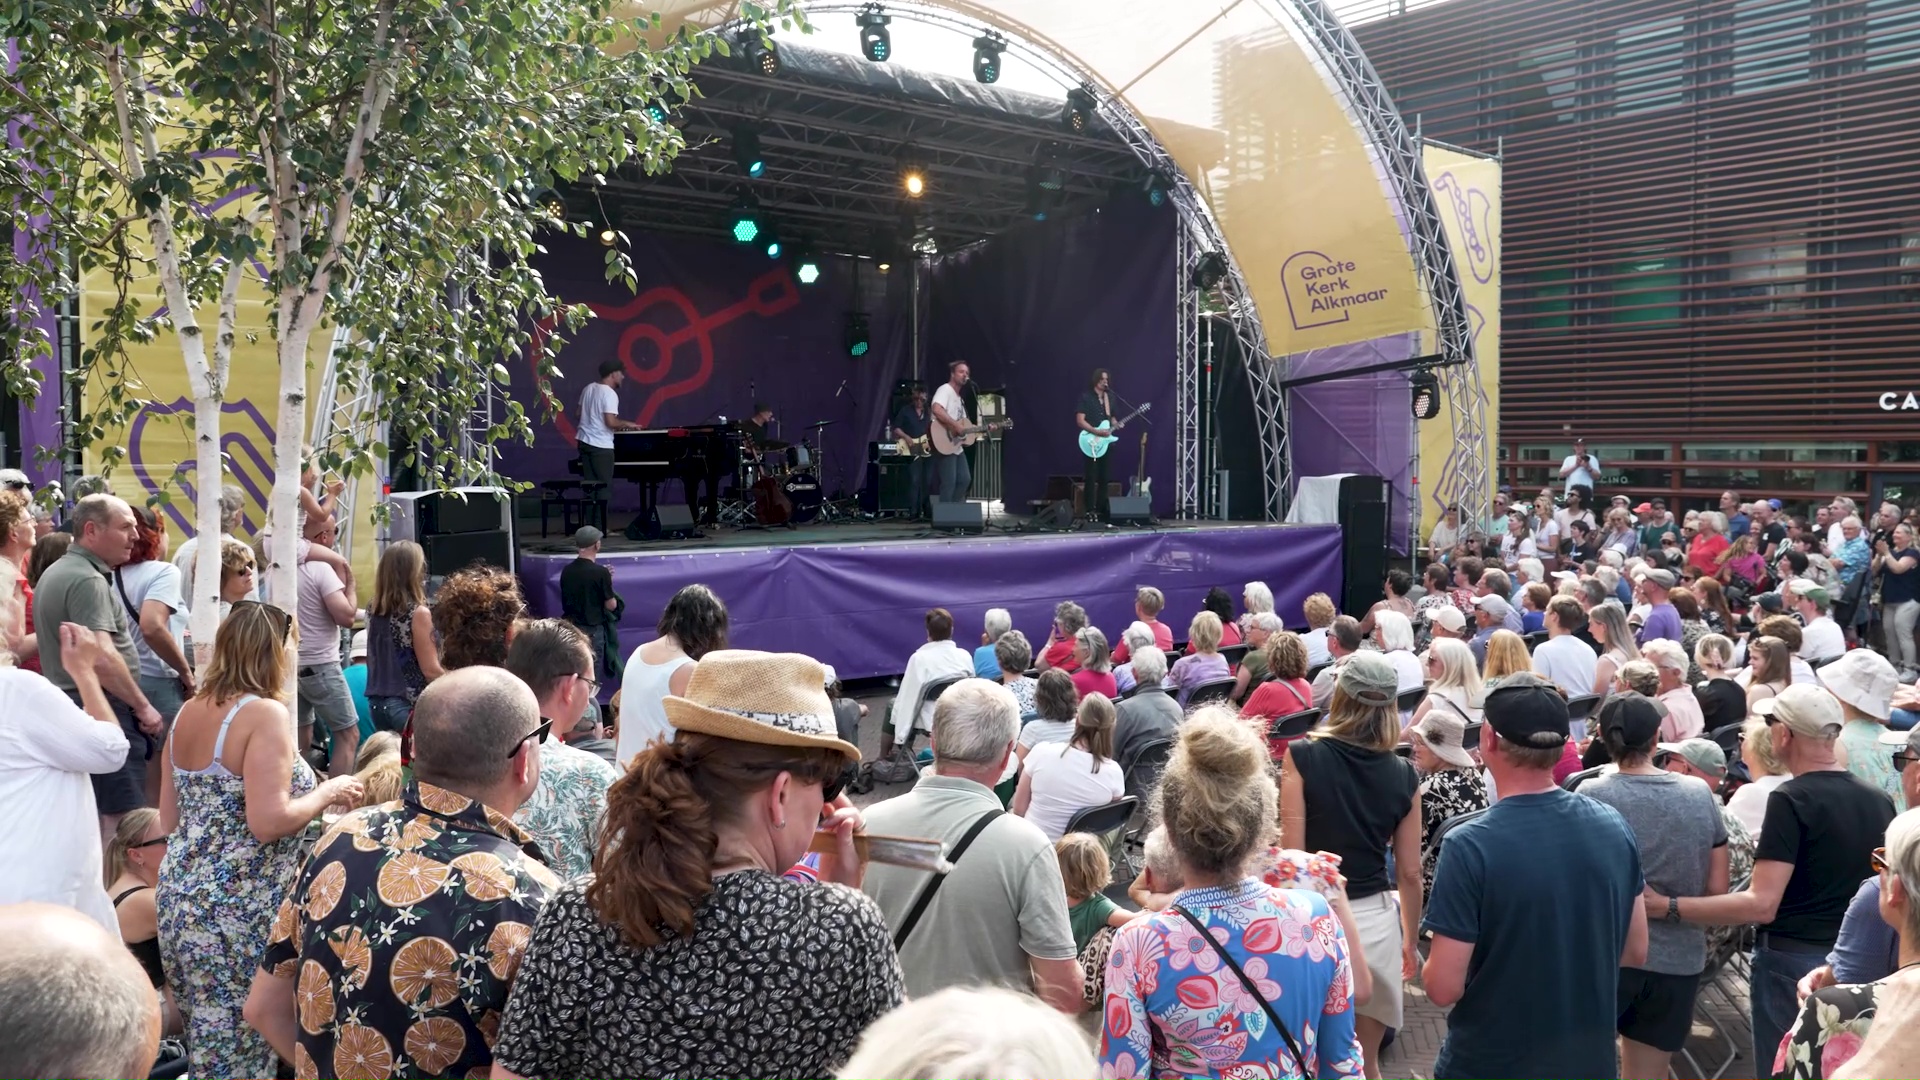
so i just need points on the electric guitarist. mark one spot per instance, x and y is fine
(910, 429)
(1095, 417)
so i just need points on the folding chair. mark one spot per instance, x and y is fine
(1285, 729)
(1109, 823)
(1234, 654)
(1411, 699)
(1211, 692)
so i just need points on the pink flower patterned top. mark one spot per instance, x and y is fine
(1174, 1009)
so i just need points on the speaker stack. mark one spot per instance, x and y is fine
(456, 528)
(1363, 543)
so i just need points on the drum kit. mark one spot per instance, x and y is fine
(781, 483)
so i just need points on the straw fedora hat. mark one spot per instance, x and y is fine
(774, 699)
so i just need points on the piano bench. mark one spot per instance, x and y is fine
(589, 509)
(554, 493)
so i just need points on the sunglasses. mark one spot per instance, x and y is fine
(1878, 859)
(538, 735)
(281, 619)
(831, 789)
(1902, 759)
(155, 842)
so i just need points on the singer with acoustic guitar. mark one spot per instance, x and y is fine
(953, 431)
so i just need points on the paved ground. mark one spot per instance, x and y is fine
(1723, 1002)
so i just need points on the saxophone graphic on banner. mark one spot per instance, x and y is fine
(1467, 189)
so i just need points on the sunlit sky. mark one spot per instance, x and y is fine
(942, 51)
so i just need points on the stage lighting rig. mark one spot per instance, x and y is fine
(1080, 108)
(986, 56)
(770, 241)
(1426, 395)
(1156, 189)
(659, 112)
(876, 43)
(744, 220)
(857, 337)
(761, 53)
(746, 151)
(1208, 270)
(806, 266)
(913, 177)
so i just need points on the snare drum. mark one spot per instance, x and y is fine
(799, 456)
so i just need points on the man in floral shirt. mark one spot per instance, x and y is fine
(394, 953)
(564, 813)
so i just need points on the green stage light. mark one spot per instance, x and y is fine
(876, 43)
(746, 152)
(857, 338)
(808, 272)
(986, 56)
(773, 247)
(745, 227)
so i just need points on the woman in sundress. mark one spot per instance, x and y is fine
(234, 798)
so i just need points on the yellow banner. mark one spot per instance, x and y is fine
(1467, 189)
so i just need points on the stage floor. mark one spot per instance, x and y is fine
(855, 595)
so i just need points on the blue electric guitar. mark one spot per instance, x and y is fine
(1096, 446)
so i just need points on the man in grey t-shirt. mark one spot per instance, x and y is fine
(1000, 916)
(1682, 838)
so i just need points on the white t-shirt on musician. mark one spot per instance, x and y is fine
(949, 401)
(596, 401)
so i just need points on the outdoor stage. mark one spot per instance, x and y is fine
(854, 596)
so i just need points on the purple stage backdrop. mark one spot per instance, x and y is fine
(860, 607)
(715, 327)
(1361, 424)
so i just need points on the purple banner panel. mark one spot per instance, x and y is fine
(861, 607)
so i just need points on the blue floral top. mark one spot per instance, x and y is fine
(1853, 557)
(1173, 1009)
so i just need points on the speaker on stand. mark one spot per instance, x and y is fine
(1363, 543)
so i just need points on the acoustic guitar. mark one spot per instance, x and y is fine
(1096, 446)
(946, 442)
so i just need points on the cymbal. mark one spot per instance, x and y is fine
(823, 423)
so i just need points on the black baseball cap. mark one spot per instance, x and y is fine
(1635, 717)
(1528, 711)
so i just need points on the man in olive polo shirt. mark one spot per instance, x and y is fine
(76, 589)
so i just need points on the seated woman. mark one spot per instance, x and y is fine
(1014, 655)
(1506, 655)
(1060, 779)
(1450, 781)
(688, 916)
(1068, 618)
(1453, 682)
(1055, 702)
(1394, 634)
(1533, 606)
(133, 869)
(1218, 602)
(1255, 597)
(1286, 691)
(1134, 638)
(1870, 1029)
(1093, 665)
(1204, 663)
(985, 663)
(1170, 1013)
(1399, 584)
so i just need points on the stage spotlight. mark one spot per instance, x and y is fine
(744, 221)
(746, 152)
(857, 339)
(1049, 170)
(876, 43)
(762, 54)
(807, 269)
(986, 56)
(608, 237)
(1080, 108)
(884, 266)
(913, 178)
(1208, 270)
(1157, 190)
(658, 112)
(1426, 395)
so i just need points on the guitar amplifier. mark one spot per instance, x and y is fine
(887, 451)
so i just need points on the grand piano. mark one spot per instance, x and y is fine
(701, 452)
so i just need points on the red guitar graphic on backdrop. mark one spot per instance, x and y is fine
(648, 349)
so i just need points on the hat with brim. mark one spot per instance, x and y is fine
(772, 699)
(1863, 679)
(1703, 754)
(1445, 735)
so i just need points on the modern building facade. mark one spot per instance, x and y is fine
(1712, 230)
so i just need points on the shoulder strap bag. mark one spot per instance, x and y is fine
(1234, 965)
(925, 898)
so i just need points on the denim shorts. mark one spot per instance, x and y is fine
(323, 691)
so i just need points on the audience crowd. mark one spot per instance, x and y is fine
(1586, 763)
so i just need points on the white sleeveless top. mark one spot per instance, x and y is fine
(643, 714)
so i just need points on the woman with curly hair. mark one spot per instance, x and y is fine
(16, 547)
(474, 612)
(689, 919)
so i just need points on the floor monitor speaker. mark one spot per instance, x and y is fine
(966, 517)
(1129, 510)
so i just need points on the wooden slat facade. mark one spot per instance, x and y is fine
(1712, 207)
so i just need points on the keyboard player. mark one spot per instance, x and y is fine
(599, 419)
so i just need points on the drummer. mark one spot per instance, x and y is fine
(756, 428)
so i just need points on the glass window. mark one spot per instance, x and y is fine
(1650, 289)
(1540, 299)
(1774, 481)
(1770, 43)
(1893, 33)
(1776, 451)
(1649, 65)
(1770, 277)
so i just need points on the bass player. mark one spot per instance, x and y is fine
(950, 412)
(910, 426)
(1095, 410)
